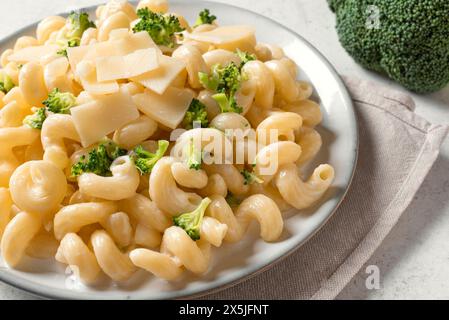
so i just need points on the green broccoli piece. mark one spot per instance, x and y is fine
(36, 120)
(161, 28)
(205, 18)
(245, 57)
(6, 83)
(145, 160)
(195, 114)
(62, 52)
(409, 44)
(78, 22)
(250, 177)
(225, 81)
(191, 221)
(98, 160)
(193, 156)
(60, 102)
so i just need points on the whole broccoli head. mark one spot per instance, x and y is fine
(78, 22)
(145, 160)
(408, 40)
(6, 83)
(36, 120)
(205, 17)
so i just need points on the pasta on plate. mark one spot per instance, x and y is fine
(140, 141)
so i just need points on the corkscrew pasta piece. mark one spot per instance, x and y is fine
(135, 132)
(194, 63)
(89, 37)
(145, 212)
(271, 192)
(231, 175)
(265, 84)
(310, 141)
(56, 75)
(42, 246)
(123, 183)
(166, 194)
(302, 194)
(17, 236)
(278, 126)
(212, 107)
(5, 208)
(116, 21)
(256, 207)
(186, 177)
(57, 128)
(112, 261)
(47, 26)
(270, 158)
(178, 250)
(119, 227)
(74, 252)
(216, 185)
(70, 219)
(12, 115)
(32, 84)
(276, 52)
(160, 6)
(147, 237)
(230, 120)
(24, 42)
(220, 57)
(285, 83)
(113, 7)
(38, 186)
(4, 57)
(309, 111)
(11, 138)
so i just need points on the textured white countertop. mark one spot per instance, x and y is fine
(414, 259)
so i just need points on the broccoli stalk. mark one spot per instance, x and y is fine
(225, 81)
(409, 42)
(161, 28)
(60, 102)
(36, 120)
(193, 156)
(250, 177)
(98, 160)
(205, 18)
(191, 221)
(145, 160)
(6, 83)
(195, 114)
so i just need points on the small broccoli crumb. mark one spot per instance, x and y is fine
(145, 160)
(6, 83)
(250, 177)
(232, 200)
(205, 18)
(36, 120)
(98, 160)
(60, 102)
(161, 28)
(225, 81)
(191, 221)
(245, 57)
(195, 114)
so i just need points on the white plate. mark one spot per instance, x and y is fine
(230, 263)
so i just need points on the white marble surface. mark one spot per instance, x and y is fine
(414, 259)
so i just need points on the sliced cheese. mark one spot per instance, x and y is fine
(136, 41)
(117, 34)
(76, 54)
(95, 120)
(161, 78)
(87, 74)
(33, 53)
(131, 65)
(228, 37)
(168, 109)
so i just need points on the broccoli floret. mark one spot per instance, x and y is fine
(193, 156)
(62, 52)
(245, 57)
(191, 221)
(36, 120)
(226, 81)
(161, 28)
(78, 22)
(145, 160)
(205, 18)
(410, 43)
(250, 177)
(98, 160)
(6, 83)
(195, 114)
(60, 102)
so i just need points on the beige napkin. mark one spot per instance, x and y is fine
(397, 150)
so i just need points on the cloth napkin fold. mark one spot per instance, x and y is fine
(397, 150)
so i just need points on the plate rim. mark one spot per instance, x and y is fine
(250, 272)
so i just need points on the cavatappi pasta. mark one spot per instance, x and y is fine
(136, 140)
